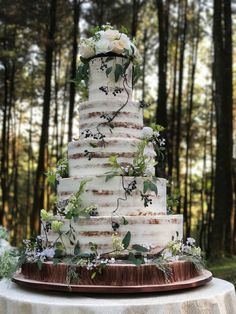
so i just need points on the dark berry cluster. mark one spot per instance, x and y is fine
(117, 90)
(48, 226)
(94, 212)
(131, 186)
(39, 244)
(115, 225)
(146, 198)
(88, 154)
(96, 136)
(106, 117)
(87, 133)
(104, 89)
(142, 104)
(103, 66)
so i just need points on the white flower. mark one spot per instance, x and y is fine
(162, 142)
(119, 45)
(149, 171)
(111, 34)
(112, 260)
(156, 134)
(87, 48)
(147, 132)
(48, 252)
(190, 241)
(103, 46)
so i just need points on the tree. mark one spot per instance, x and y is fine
(39, 191)
(221, 237)
(76, 8)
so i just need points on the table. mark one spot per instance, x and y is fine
(217, 297)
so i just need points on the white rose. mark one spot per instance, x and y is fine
(147, 132)
(103, 46)
(87, 49)
(111, 34)
(119, 45)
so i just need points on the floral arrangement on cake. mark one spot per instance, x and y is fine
(105, 40)
(109, 43)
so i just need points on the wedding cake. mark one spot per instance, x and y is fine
(112, 222)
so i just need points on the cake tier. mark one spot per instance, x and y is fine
(98, 78)
(85, 159)
(150, 231)
(112, 275)
(105, 195)
(127, 124)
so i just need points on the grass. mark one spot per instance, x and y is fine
(224, 269)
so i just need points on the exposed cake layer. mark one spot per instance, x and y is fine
(128, 123)
(99, 78)
(105, 195)
(90, 157)
(150, 231)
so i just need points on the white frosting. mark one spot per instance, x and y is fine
(80, 165)
(98, 78)
(155, 231)
(105, 194)
(128, 123)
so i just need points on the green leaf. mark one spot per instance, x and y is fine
(56, 261)
(118, 71)
(77, 248)
(149, 186)
(139, 248)
(126, 240)
(123, 30)
(110, 176)
(83, 60)
(94, 145)
(108, 71)
(135, 260)
(93, 275)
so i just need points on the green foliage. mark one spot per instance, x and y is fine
(77, 248)
(126, 240)
(149, 186)
(62, 171)
(4, 233)
(9, 264)
(82, 73)
(172, 201)
(75, 208)
(137, 73)
(138, 168)
(135, 260)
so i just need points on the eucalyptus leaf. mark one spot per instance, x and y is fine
(108, 71)
(118, 71)
(110, 176)
(94, 145)
(39, 264)
(126, 240)
(77, 248)
(149, 186)
(137, 261)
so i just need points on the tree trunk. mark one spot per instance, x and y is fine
(221, 240)
(39, 192)
(179, 99)
(161, 111)
(76, 5)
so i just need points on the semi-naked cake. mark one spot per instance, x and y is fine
(127, 227)
(150, 225)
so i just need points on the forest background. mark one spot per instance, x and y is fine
(187, 81)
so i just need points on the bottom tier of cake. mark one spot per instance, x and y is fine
(118, 274)
(153, 232)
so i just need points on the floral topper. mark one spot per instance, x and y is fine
(105, 40)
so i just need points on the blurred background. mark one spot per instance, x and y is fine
(188, 75)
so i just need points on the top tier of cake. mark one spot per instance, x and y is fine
(104, 81)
